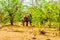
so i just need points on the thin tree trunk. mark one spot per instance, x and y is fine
(0, 22)
(11, 19)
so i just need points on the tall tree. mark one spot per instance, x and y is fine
(11, 6)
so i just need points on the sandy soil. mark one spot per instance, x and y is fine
(28, 33)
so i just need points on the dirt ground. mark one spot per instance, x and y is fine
(28, 33)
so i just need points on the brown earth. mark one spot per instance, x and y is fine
(28, 33)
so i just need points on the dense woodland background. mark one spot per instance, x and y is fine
(46, 11)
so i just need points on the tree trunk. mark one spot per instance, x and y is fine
(0, 22)
(11, 19)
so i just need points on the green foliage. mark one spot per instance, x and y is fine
(11, 7)
(46, 10)
(42, 11)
